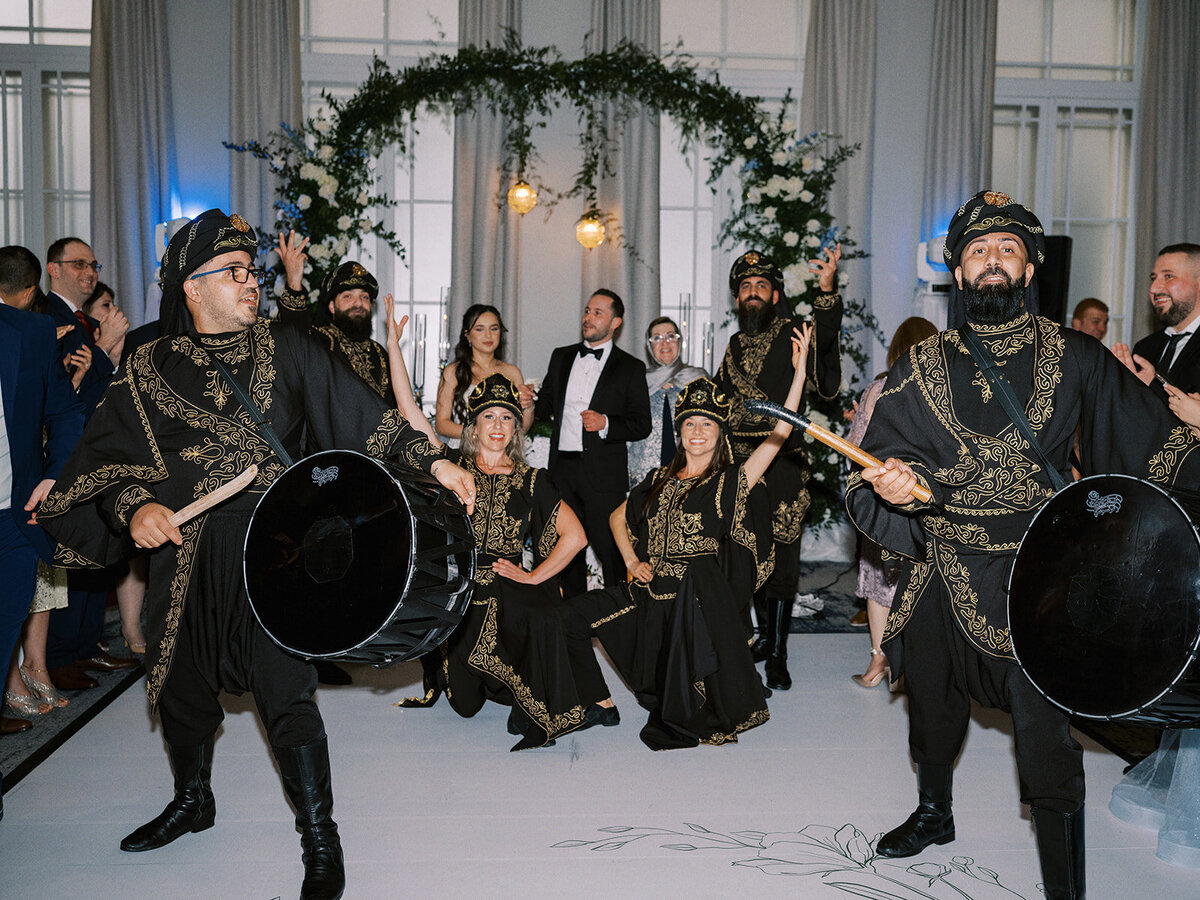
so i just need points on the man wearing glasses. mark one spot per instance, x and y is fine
(171, 430)
(73, 640)
(73, 272)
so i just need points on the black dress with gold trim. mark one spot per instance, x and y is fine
(367, 358)
(759, 366)
(682, 642)
(169, 430)
(938, 414)
(510, 646)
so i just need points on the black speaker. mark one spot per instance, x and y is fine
(1053, 278)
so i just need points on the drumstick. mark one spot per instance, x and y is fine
(212, 498)
(827, 437)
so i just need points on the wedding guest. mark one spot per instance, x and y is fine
(876, 576)
(478, 354)
(665, 378)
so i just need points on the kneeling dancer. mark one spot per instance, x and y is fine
(696, 539)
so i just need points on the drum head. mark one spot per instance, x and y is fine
(1103, 597)
(328, 553)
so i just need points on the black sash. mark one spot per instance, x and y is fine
(264, 427)
(1008, 400)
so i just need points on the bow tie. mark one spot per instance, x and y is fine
(585, 350)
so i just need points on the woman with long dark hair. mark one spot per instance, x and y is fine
(478, 354)
(696, 540)
(510, 646)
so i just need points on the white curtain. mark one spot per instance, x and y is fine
(1168, 135)
(839, 98)
(133, 154)
(483, 263)
(630, 195)
(958, 142)
(264, 90)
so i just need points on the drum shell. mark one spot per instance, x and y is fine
(353, 558)
(1104, 603)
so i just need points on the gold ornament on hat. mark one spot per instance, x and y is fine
(996, 198)
(239, 223)
(751, 258)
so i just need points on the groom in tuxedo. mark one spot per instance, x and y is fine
(595, 395)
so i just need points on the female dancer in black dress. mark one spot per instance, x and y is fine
(510, 646)
(696, 539)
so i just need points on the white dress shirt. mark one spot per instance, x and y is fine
(585, 372)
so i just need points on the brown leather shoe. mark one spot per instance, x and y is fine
(13, 726)
(106, 662)
(72, 678)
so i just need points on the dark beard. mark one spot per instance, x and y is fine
(356, 328)
(993, 304)
(1173, 314)
(752, 320)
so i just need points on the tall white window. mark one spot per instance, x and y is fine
(338, 38)
(728, 38)
(1066, 103)
(45, 181)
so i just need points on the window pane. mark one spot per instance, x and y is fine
(676, 180)
(764, 28)
(695, 23)
(433, 164)
(1014, 152)
(14, 14)
(1088, 31)
(74, 14)
(421, 20)
(346, 19)
(1020, 32)
(12, 193)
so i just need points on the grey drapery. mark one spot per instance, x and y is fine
(962, 89)
(133, 151)
(1168, 133)
(631, 194)
(483, 264)
(839, 98)
(264, 90)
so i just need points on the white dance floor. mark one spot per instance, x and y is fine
(432, 806)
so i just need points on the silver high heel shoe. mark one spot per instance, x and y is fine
(43, 690)
(25, 706)
(862, 681)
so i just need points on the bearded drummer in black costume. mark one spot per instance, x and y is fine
(169, 431)
(939, 423)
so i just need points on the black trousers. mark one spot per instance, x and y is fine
(283, 688)
(943, 673)
(593, 507)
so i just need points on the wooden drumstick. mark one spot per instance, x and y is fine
(212, 498)
(827, 437)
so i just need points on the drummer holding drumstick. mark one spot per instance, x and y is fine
(940, 424)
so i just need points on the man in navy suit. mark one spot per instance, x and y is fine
(35, 393)
(595, 394)
(73, 643)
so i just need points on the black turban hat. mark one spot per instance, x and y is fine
(495, 390)
(206, 237)
(753, 264)
(348, 276)
(989, 212)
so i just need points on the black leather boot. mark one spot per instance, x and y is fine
(933, 821)
(305, 772)
(761, 647)
(1060, 851)
(193, 807)
(779, 615)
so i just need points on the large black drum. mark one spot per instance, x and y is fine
(352, 558)
(1104, 603)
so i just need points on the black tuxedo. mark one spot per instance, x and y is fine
(594, 483)
(1184, 371)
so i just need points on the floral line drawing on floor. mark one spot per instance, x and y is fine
(843, 858)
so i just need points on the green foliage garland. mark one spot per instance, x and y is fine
(329, 190)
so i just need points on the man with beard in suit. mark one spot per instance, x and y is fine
(595, 394)
(1175, 297)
